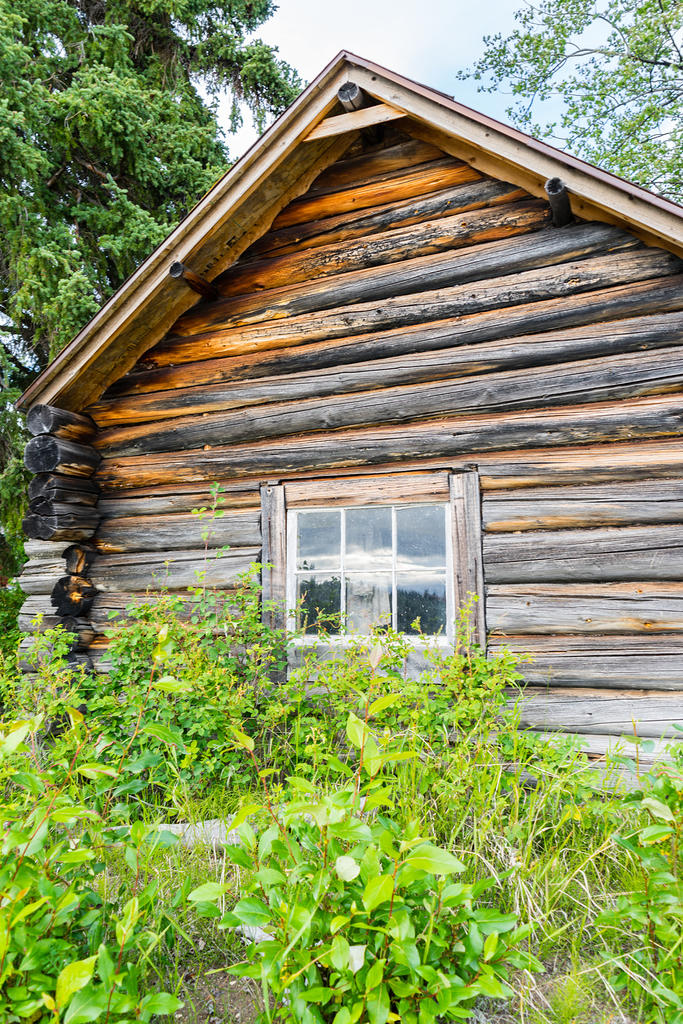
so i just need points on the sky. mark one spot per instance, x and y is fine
(427, 40)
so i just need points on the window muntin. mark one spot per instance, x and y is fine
(374, 563)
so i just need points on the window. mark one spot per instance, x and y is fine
(388, 548)
(369, 565)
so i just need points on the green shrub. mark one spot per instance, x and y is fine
(67, 953)
(652, 915)
(361, 921)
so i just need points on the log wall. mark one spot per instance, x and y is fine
(407, 313)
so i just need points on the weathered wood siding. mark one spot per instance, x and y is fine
(410, 312)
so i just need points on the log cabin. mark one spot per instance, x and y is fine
(425, 356)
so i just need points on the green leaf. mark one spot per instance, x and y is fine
(209, 892)
(242, 740)
(382, 703)
(252, 912)
(658, 809)
(355, 730)
(490, 945)
(72, 978)
(435, 860)
(92, 770)
(347, 868)
(169, 684)
(160, 1002)
(163, 733)
(378, 890)
(86, 1006)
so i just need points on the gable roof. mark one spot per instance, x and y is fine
(281, 165)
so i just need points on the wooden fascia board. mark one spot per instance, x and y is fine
(496, 149)
(104, 337)
(380, 113)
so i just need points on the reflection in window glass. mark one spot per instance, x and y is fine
(368, 600)
(360, 567)
(318, 540)
(319, 601)
(421, 596)
(420, 536)
(368, 538)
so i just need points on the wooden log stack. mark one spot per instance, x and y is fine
(62, 510)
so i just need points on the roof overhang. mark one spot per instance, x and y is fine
(281, 165)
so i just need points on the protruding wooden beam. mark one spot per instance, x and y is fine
(72, 595)
(198, 284)
(558, 197)
(79, 558)
(73, 490)
(48, 419)
(60, 522)
(351, 97)
(48, 454)
(354, 121)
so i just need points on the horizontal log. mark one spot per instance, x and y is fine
(443, 439)
(585, 608)
(40, 605)
(173, 532)
(630, 553)
(72, 595)
(125, 505)
(619, 672)
(424, 274)
(446, 233)
(389, 161)
(47, 454)
(41, 583)
(474, 194)
(44, 549)
(72, 426)
(611, 713)
(434, 177)
(64, 522)
(610, 378)
(353, 120)
(178, 570)
(546, 321)
(73, 489)
(531, 286)
(634, 503)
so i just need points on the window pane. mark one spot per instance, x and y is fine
(368, 538)
(420, 537)
(423, 596)
(318, 539)
(318, 599)
(368, 600)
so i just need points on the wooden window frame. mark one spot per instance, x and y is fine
(459, 489)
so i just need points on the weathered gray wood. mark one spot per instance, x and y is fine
(387, 247)
(423, 274)
(630, 553)
(444, 439)
(47, 454)
(162, 500)
(439, 366)
(585, 608)
(554, 508)
(615, 672)
(608, 379)
(173, 532)
(60, 522)
(467, 550)
(44, 549)
(70, 489)
(538, 327)
(368, 490)
(47, 419)
(177, 571)
(521, 288)
(41, 582)
(609, 713)
(274, 555)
